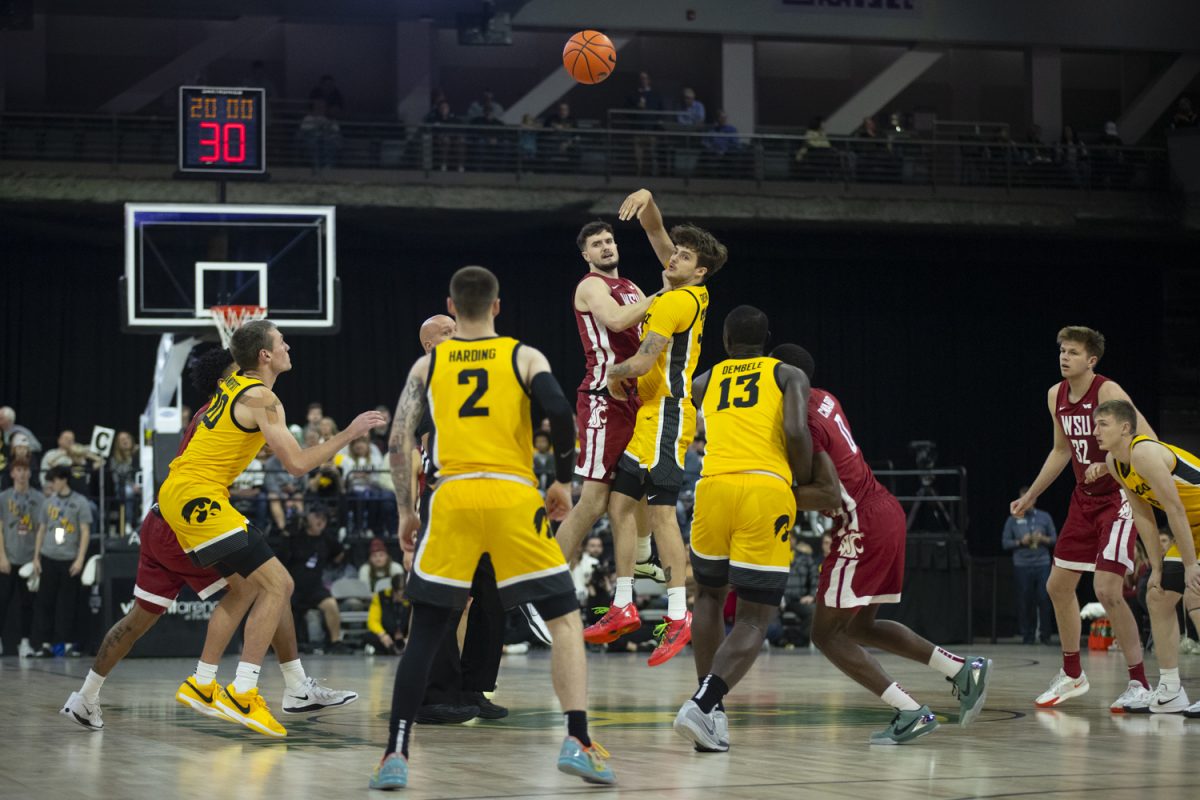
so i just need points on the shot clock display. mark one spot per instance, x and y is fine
(222, 129)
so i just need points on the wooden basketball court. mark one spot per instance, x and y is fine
(798, 729)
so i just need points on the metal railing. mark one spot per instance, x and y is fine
(517, 151)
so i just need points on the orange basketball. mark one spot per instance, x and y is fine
(589, 56)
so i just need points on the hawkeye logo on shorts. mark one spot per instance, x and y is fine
(539, 524)
(783, 527)
(201, 507)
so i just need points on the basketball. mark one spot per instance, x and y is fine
(589, 56)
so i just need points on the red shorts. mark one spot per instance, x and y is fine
(1098, 534)
(163, 569)
(866, 563)
(605, 427)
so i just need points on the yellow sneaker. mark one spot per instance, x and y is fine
(250, 709)
(199, 697)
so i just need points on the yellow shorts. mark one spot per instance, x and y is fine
(205, 522)
(504, 518)
(740, 533)
(661, 436)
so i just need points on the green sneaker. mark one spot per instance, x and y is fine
(970, 687)
(907, 726)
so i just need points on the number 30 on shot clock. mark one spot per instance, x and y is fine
(222, 129)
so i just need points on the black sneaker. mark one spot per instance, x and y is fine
(338, 648)
(446, 714)
(487, 709)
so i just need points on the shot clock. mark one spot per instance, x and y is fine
(222, 129)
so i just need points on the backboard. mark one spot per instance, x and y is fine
(181, 259)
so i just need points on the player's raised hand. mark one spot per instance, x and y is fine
(1095, 471)
(365, 421)
(634, 204)
(558, 500)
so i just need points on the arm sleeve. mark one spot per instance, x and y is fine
(375, 616)
(672, 313)
(549, 396)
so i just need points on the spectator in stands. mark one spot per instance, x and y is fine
(285, 493)
(324, 486)
(21, 512)
(388, 617)
(723, 139)
(816, 156)
(581, 571)
(19, 450)
(367, 481)
(59, 553)
(1184, 117)
(489, 146)
(1071, 154)
(799, 597)
(379, 436)
(1036, 151)
(85, 467)
(1030, 538)
(307, 550)
(322, 135)
(10, 428)
(123, 467)
(448, 146)
(527, 139)
(60, 455)
(248, 493)
(1108, 161)
(644, 96)
(327, 428)
(543, 460)
(312, 417)
(327, 92)
(379, 565)
(562, 146)
(479, 108)
(692, 112)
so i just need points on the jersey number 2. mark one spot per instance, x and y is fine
(747, 382)
(470, 408)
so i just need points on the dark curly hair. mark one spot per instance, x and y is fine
(207, 368)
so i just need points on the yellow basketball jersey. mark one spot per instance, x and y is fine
(221, 449)
(677, 315)
(743, 418)
(1187, 482)
(480, 408)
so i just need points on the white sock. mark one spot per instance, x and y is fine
(247, 677)
(677, 602)
(624, 594)
(93, 682)
(1167, 678)
(945, 662)
(293, 674)
(643, 549)
(205, 673)
(899, 699)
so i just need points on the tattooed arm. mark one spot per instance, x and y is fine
(266, 413)
(637, 365)
(402, 446)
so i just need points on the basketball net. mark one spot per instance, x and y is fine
(229, 318)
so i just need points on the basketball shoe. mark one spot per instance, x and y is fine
(703, 730)
(616, 622)
(248, 708)
(1134, 700)
(392, 773)
(970, 687)
(1062, 688)
(200, 698)
(1164, 701)
(907, 726)
(649, 569)
(77, 709)
(674, 634)
(585, 762)
(1193, 711)
(312, 696)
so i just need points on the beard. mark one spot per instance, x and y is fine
(610, 267)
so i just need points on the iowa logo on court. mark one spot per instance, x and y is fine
(201, 507)
(783, 527)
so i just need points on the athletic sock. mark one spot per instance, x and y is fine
(677, 602)
(643, 549)
(293, 674)
(577, 726)
(247, 677)
(1137, 672)
(93, 682)
(205, 673)
(899, 699)
(712, 690)
(400, 742)
(1071, 665)
(1167, 678)
(624, 593)
(945, 662)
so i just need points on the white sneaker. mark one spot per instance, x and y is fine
(537, 625)
(79, 711)
(1193, 711)
(518, 649)
(1062, 688)
(25, 649)
(1163, 701)
(648, 569)
(312, 696)
(1134, 700)
(701, 729)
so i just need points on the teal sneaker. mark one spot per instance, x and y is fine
(392, 773)
(907, 726)
(970, 687)
(585, 762)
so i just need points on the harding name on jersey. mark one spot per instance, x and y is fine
(457, 356)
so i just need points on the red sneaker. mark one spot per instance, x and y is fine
(673, 634)
(616, 622)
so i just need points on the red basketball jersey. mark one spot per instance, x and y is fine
(602, 347)
(1076, 421)
(191, 430)
(831, 434)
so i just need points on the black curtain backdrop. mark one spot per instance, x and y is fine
(922, 334)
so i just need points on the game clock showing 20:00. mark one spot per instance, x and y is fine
(222, 129)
